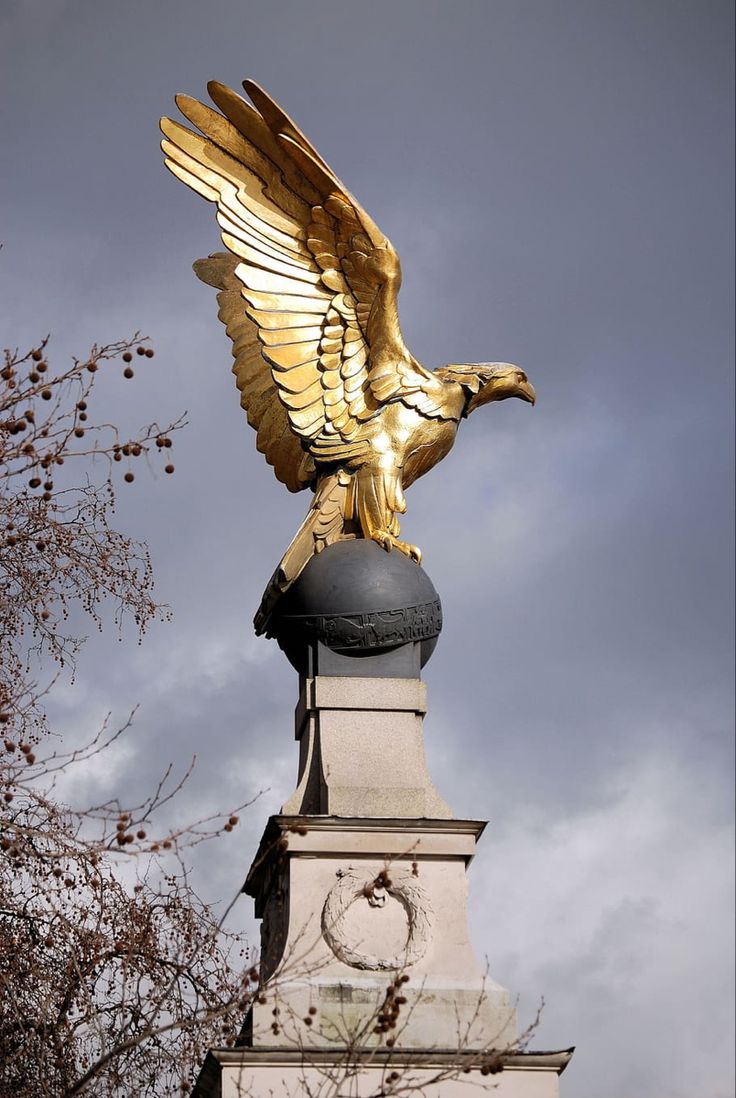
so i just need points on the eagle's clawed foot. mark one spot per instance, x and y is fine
(389, 541)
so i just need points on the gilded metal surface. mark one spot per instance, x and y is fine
(308, 294)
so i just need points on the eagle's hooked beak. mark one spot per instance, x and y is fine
(526, 392)
(500, 381)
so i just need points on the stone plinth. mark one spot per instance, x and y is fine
(348, 903)
(366, 965)
(361, 749)
(289, 1073)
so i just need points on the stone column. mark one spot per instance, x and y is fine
(360, 880)
(347, 903)
(361, 749)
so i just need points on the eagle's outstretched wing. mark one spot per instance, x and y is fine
(266, 414)
(318, 278)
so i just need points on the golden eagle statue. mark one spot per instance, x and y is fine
(308, 294)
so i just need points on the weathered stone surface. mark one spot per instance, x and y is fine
(287, 1073)
(361, 887)
(362, 750)
(350, 903)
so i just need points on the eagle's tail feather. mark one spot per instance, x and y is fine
(325, 523)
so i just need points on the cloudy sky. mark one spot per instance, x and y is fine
(556, 176)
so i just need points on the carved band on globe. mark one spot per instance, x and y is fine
(378, 629)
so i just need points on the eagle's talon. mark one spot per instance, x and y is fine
(389, 541)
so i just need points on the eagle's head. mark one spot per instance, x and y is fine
(487, 381)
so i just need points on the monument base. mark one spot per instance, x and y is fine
(364, 937)
(293, 1073)
(369, 984)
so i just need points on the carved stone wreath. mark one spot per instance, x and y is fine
(355, 886)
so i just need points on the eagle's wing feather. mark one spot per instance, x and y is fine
(318, 278)
(275, 438)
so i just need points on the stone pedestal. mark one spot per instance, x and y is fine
(349, 903)
(369, 982)
(290, 1073)
(361, 749)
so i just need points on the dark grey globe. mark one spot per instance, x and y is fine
(358, 600)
